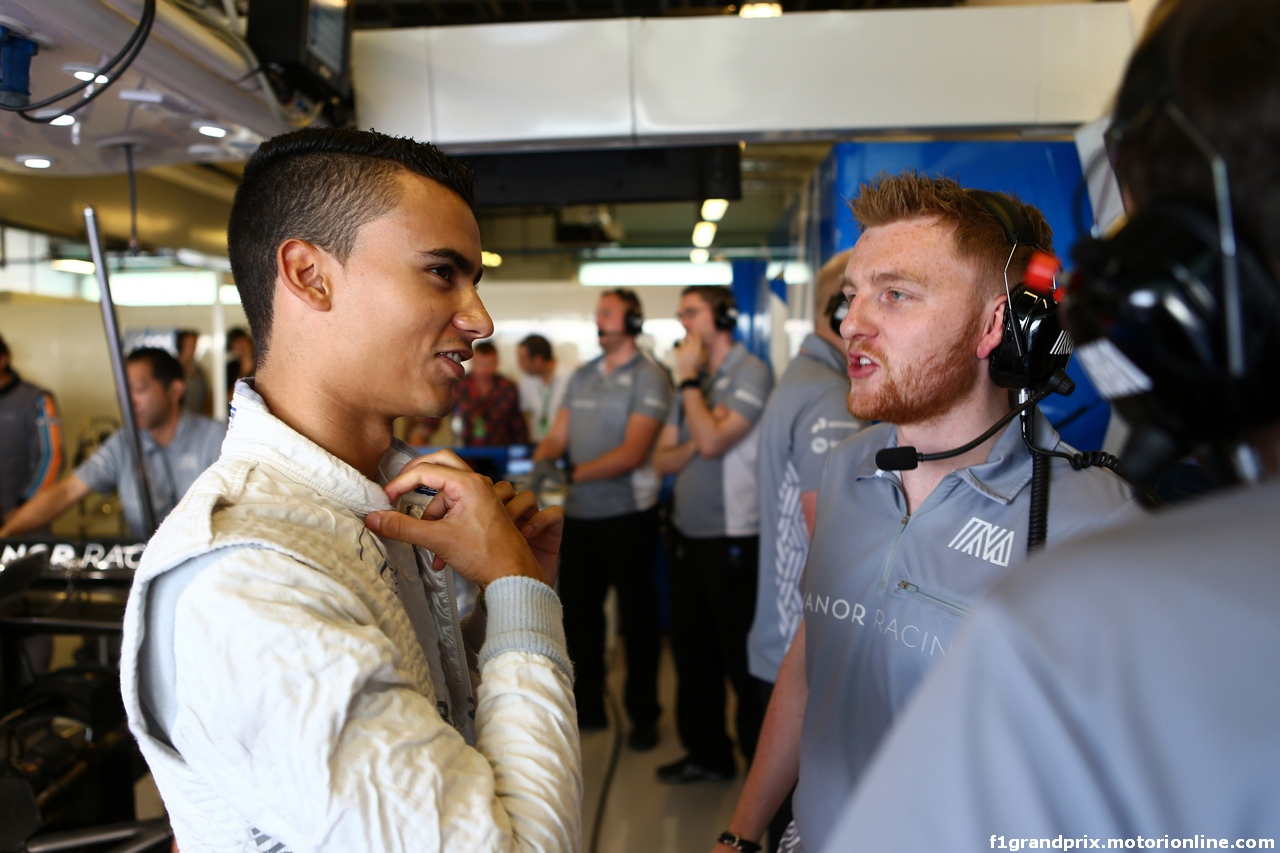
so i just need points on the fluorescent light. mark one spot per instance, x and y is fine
(84, 73)
(699, 256)
(74, 265)
(660, 273)
(212, 130)
(63, 121)
(228, 294)
(703, 234)
(34, 161)
(713, 209)
(491, 259)
(792, 272)
(760, 10)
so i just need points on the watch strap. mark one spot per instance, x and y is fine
(737, 842)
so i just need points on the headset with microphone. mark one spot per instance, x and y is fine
(1031, 359)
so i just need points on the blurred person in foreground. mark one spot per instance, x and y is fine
(1122, 687)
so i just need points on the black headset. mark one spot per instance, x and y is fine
(837, 309)
(1035, 345)
(1178, 321)
(633, 322)
(725, 309)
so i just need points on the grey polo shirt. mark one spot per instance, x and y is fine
(718, 497)
(170, 470)
(599, 407)
(885, 593)
(804, 421)
(1124, 685)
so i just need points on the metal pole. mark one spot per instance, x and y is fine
(132, 436)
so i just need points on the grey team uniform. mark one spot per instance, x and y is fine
(610, 534)
(717, 514)
(1122, 686)
(717, 497)
(885, 597)
(599, 408)
(804, 421)
(170, 470)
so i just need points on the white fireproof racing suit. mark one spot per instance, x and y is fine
(308, 687)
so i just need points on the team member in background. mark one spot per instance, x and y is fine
(177, 447)
(197, 398)
(30, 439)
(488, 404)
(296, 675)
(711, 442)
(803, 422)
(897, 559)
(1122, 686)
(614, 407)
(542, 384)
(243, 360)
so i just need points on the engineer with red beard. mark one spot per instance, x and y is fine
(898, 558)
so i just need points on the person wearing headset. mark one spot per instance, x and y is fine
(1123, 686)
(711, 443)
(613, 408)
(803, 422)
(898, 559)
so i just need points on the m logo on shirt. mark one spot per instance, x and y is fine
(984, 540)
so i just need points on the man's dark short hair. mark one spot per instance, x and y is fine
(485, 348)
(1219, 62)
(164, 367)
(321, 185)
(536, 346)
(186, 333)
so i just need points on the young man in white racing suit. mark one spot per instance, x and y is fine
(293, 669)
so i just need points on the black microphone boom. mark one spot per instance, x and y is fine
(907, 458)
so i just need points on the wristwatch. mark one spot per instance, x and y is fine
(737, 842)
(691, 383)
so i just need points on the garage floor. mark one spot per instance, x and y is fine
(639, 813)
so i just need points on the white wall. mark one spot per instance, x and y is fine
(723, 77)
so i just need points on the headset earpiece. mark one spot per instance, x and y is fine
(1148, 308)
(633, 323)
(837, 309)
(726, 313)
(1034, 345)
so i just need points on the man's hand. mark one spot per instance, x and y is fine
(467, 525)
(542, 529)
(690, 356)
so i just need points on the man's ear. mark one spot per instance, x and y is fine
(992, 325)
(176, 389)
(301, 267)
